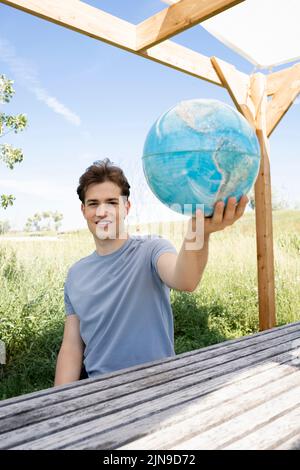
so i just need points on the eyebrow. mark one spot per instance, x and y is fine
(106, 200)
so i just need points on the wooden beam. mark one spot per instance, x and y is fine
(249, 95)
(238, 86)
(263, 210)
(183, 59)
(275, 80)
(283, 98)
(85, 19)
(81, 17)
(178, 18)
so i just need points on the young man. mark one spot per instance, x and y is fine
(117, 300)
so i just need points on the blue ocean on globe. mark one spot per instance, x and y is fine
(199, 152)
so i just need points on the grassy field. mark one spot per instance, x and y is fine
(224, 306)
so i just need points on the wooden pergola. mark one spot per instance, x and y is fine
(262, 99)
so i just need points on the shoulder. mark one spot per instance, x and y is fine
(81, 263)
(150, 241)
(157, 245)
(145, 237)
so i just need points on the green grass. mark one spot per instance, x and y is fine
(224, 306)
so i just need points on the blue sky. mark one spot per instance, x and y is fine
(86, 100)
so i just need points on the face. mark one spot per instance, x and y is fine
(105, 210)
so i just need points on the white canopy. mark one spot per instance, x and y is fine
(265, 32)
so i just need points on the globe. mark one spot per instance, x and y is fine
(199, 152)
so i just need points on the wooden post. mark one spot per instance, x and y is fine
(250, 97)
(263, 210)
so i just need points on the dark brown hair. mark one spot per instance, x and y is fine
(100, 171)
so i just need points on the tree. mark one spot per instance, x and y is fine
(28, 226)
(46, 215)
(279, 201)
(35, 223)
(4, 226)
(57, 218)
(8, 123)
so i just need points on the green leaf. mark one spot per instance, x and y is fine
(7, 200)
(6, 89)
(10, 155)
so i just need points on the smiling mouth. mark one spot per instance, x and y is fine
(103, 223)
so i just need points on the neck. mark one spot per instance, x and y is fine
(108, 246)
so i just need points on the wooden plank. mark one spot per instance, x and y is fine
(283, 98)
(159, 427)
(82, 18)
(275, 80)
(182, 59)
(293, 443)
(177, 18)
(112, 431)
(137, 380)
(81, 415)
(238, 86)
(211, 412)
(247, 422)
(272, 435)
(85, 19)
(263, 211)
(211, 395)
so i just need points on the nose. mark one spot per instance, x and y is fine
(101, 210)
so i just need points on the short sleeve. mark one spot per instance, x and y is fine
(69, 310)
(160, 246)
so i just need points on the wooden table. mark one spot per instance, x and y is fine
(240, 394)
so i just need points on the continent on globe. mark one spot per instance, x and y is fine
(199, 152)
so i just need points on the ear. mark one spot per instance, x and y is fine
(127, 205)
(83, 210)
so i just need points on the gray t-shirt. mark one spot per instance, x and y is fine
(123, 306)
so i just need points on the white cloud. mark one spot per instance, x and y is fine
(28, 76)
(56, 106)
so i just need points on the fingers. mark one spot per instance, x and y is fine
(241, 206)
(217, 217)
(230, 211)
(225, 216)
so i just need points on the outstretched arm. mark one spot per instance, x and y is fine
(184, 271)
